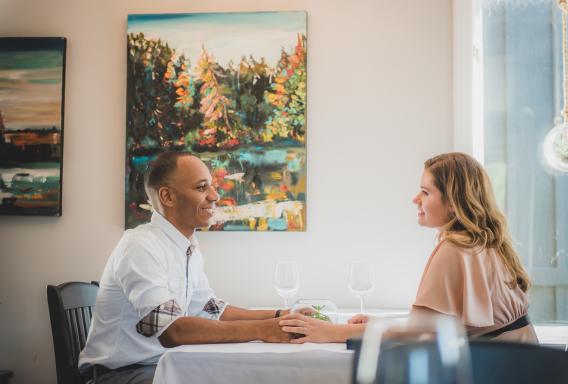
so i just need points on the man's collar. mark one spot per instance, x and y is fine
(173, 233)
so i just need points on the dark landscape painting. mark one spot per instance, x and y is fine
(230, 88)
(32, 72)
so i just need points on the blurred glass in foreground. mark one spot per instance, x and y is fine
(427, 349)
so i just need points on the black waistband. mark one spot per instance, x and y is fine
(519, 323)
(102, 370)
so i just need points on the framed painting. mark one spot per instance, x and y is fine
(231, 89)
(32, 83)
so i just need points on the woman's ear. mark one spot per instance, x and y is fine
(451, 211)
(166, 197)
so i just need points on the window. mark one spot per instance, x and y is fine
(516, 97)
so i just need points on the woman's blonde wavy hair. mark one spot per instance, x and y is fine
(476, 221)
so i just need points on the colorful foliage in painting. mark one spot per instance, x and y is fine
(220, 123)
(219, 107)
(246, 120)
(288, 96)
(160, 94)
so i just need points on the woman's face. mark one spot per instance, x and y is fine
(433, 211)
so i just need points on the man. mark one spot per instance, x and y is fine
(153, 292)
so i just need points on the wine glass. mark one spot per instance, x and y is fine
(361, 280)
(286, 280)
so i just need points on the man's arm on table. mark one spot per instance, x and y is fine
(232, 313)
(197, 330)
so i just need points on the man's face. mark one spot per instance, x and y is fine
(194, 196)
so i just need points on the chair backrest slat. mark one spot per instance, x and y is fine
(70, 309)
(70, 334)
(82, 325)
(74, 332)
(83, 330)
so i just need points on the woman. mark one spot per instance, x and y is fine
(473, 273)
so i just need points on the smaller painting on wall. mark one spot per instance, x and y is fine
(32, 78)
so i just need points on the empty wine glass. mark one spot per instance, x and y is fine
(361, 280)
(286, 280)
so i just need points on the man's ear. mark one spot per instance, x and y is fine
(166, 197)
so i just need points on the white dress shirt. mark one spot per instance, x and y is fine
(149, 266)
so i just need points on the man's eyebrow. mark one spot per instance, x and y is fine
(201, 181)
(424, 187)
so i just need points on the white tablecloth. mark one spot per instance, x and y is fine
(255, 363)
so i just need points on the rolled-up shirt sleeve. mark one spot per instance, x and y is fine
(205, 303)
(144, 279)
(214, 308)
(159, 319)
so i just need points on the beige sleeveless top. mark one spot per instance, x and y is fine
(472, 285)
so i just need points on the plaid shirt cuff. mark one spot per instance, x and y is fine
(214, 308)
(158, 319)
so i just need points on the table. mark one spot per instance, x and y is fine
(255, 362)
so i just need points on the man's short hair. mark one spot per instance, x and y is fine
(161, 169)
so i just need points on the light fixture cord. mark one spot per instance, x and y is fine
(563, 5)
(565, 66)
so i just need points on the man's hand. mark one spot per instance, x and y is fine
(272, 333)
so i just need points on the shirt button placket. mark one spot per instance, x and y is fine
(188, 254)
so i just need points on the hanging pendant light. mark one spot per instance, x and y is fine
(555, 145)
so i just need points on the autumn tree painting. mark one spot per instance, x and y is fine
(231, 89)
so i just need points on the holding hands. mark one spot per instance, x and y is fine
(304, 328)
(307, 329)
(273, 333)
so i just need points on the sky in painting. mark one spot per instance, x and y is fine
(227, 36)
(30, 88)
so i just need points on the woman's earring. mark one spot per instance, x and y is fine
(452, 213)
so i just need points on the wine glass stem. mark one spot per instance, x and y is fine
(361, 302)
(285, 303)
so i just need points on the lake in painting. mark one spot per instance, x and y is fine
(31, 125)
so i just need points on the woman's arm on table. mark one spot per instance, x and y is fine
(319, 331)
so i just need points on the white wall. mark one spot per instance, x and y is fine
(379, 68)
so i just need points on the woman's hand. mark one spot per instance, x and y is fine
(358, 319)
(309, 329)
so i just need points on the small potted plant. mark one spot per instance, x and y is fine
(320, 309)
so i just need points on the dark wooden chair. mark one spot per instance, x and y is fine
(71, 307)
(5, 376)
